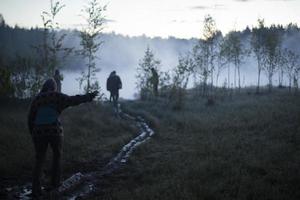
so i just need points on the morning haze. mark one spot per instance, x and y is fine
(143, 99)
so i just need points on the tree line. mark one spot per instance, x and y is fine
(22, 76)
(214, 54)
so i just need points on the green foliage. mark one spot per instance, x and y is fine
(6, 87)
(28, 72)
(89, 35)
(180, 79)
(200, 154)
(24, 77)
(144, 73)
(209, 29)
(291, 65)
(257, 41)
(234, 51)
(272, 49)
(52, 44)
(92, 136)
(266, 44)
(2, 21)
(165, 80)
(205, 54)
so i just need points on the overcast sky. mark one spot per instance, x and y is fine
(179, 18)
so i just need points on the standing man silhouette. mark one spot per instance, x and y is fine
(154, 81)
(113, 84)
(58, 78)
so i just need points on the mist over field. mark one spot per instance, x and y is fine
(123, 53)
(208, 107)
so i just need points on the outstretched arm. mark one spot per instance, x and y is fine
(67, 101)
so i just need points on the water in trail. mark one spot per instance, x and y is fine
(82, 185)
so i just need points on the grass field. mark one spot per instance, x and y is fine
(243, 147)
(92, 135)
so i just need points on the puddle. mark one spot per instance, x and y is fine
(82, 185)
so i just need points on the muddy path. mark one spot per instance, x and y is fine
(84, 185)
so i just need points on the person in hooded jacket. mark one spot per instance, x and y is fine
(46, 129)
(113, 84)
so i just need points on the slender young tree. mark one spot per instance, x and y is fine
(210, 36)
(291, 64)
(144, 73)
(221, 60)
(200, 65)
(257, 46)
(182, 71)
(205, 53)
(271, 52)
(53, 50)
(93, 13)
(225, 57)
(180, 79)
(296, 77)
(281, 62)
(236, 53)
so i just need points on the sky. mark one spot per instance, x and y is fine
(163, 18)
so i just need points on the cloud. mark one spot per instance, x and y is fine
(219, 6)
(212, 7)
(178, 21)
(261, 0)
(110, 21)
(199, 7)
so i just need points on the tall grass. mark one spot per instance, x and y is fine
(92, 135)
(245, 147)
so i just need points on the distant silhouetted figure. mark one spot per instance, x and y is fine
(45, 128)
(58, 78)
(154, 81)
(113, 84)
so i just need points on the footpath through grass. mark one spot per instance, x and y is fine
(245, 147)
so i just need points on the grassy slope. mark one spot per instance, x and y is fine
(92, 136)
(243, 148)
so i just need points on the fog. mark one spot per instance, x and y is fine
(71, 86)
(122, 53)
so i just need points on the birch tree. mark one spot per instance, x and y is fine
(93, 14)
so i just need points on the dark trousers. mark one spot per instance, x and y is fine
(115, 97)
(41, 145)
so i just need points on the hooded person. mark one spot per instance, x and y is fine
(113, 84)
(108, 85)
(46, 129)
(154, 81)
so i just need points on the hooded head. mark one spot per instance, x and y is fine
(56, 72)
(112, 73)
(49, 86)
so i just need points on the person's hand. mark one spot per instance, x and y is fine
(94, 94)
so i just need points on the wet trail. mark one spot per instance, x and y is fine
(82, 186)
